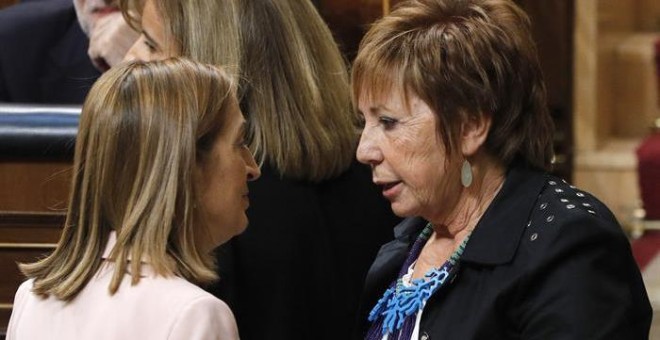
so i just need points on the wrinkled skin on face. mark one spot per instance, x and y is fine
(407, 156)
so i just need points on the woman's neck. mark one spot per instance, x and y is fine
(488, 178)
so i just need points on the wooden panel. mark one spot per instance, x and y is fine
(5, 3)
(635, 86)
(30, 227)
(32, 212)
(349, 20)
(34, 186)
(24, 236)
(5, 313)
(12, 277)
(648, 15)
(617, 189)
(616, 15)
(552, 29)
(585, 78)
(608, 128)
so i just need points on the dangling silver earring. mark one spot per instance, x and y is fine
(466, 174)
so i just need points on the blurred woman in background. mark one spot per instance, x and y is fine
(316, 222)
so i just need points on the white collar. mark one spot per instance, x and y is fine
(145, 268)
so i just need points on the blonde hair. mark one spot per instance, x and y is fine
(143, 128)
(464, 59)
(206, 31)
(293, 84)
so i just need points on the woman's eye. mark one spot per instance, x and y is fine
(387, 122)
(150, 46)
(242, 141)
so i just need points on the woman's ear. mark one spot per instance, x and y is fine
(474, 132)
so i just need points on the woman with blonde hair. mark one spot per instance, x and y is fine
(160, 179)
(315, 221)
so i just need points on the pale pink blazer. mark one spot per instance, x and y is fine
(156, 308)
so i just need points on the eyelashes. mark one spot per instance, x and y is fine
(150, 46)
(388, 123)
(242, 139)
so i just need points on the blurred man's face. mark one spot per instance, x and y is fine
(89, 11)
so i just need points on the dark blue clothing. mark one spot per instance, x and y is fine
(43, 54)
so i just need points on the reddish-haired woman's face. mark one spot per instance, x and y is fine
(406, 155)
(152, 43)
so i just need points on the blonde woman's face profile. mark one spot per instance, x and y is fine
(222, 182)
(152, 43)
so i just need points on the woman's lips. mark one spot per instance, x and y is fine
(105, 10)
(390, 190)
(246, 200)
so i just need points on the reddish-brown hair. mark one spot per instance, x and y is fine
(463, 58)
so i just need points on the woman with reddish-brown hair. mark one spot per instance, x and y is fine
(458, 135)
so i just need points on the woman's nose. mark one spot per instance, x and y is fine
(368, 151)
(131, 54)
(253, 171)
(134, 53)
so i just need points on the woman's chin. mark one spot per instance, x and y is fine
(242, 227)
(402, 210)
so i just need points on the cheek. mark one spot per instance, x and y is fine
(144, 54)
(79, 5)
(134, 53)
(215, 205)
(416, 155)
(156, 56)
(422, 165)
(226, 185)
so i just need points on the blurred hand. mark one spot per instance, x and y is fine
(109, 40)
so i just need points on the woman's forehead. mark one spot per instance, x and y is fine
(390, 93)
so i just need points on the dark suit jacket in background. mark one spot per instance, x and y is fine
(298, 270)
(546, 261)
(43, 54)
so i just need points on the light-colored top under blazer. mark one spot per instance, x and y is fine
(155, 308)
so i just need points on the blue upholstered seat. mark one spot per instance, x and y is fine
(38, 131)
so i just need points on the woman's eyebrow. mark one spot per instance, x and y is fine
(380, 108)
(148, 37)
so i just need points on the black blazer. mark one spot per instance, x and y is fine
(43, 54)
(546, 261)
(298, 270)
